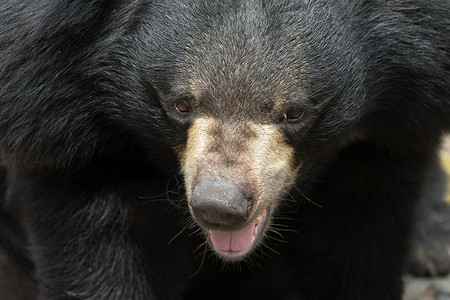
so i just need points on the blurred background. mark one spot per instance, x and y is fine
(432, 288)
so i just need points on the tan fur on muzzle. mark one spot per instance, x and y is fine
(253, 156)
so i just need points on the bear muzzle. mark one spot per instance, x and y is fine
(223, 211)
(235, 175)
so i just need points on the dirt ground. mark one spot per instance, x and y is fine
(431, 288)
(427, 288)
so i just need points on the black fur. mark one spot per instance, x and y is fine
(88, 139)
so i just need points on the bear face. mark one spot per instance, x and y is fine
(257, 99)
(244, 128)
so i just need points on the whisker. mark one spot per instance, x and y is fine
(153, 197)
(288, 230)
(321, 206)
(276, 232)
(276, 225)
(197, 231)
(290, 199)
(239, 266)
(276, 239)
(201, 263)
(283, 218)
(204, 244)
(178, 234)
(261, 255)
(271, 249)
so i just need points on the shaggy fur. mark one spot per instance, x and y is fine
(91, 138)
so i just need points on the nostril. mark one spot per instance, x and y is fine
(226, 215)
(202, 212)
(230, 218)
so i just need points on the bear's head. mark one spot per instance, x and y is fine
(255, 98)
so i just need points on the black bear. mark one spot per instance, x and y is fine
(294, 136)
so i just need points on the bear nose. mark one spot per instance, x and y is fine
(219, 205)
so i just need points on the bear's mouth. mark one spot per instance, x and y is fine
(235, 245)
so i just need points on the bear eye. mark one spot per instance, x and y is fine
(182, 107)
(293, 116)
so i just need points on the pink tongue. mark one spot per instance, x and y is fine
(234, 241)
